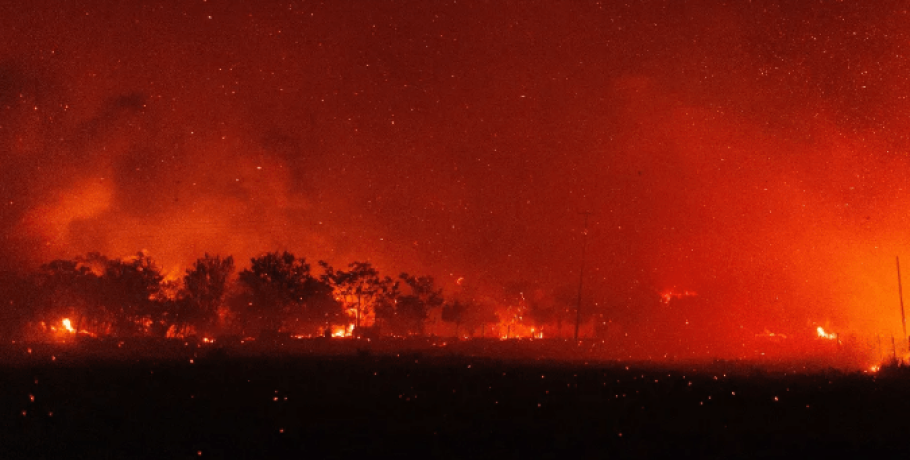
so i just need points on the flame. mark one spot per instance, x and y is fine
(825, 335)
(513, 328)
(342, 331)
(68, 325)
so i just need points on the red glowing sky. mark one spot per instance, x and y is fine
(753, 153)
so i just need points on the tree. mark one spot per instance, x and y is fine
(204, 288)
(455, 312)
(480, 314)
(407, 314)
(319, 308)
(130, 290)
(468, 313)
(242, 319)
(279, 286)
(66, 289)
(360, 288)
(386, 308)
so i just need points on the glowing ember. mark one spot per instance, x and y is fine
(825, 335)
(68, 325)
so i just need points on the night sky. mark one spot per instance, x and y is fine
(753, 153)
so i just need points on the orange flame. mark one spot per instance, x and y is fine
(342, 331)
(825, 335)
(68, 325)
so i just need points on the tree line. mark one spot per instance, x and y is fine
(278, 293)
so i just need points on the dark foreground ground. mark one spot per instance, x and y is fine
(414, 405)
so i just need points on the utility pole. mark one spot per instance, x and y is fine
(900, 292)
(581, 274)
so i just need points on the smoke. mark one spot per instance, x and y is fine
(754, 154)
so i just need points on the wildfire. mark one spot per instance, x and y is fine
(342, 331)
(68, 326)
(825, 335)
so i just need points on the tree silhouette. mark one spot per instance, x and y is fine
(455, 312)
(407, 314)
(204, 288)
(470, 314)
(319, 309)
(479, 314)
(360, 288)
(386, 307)
(130, 292)
(63, 289)
(280, 287)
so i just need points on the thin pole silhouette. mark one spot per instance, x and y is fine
(581, 275)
